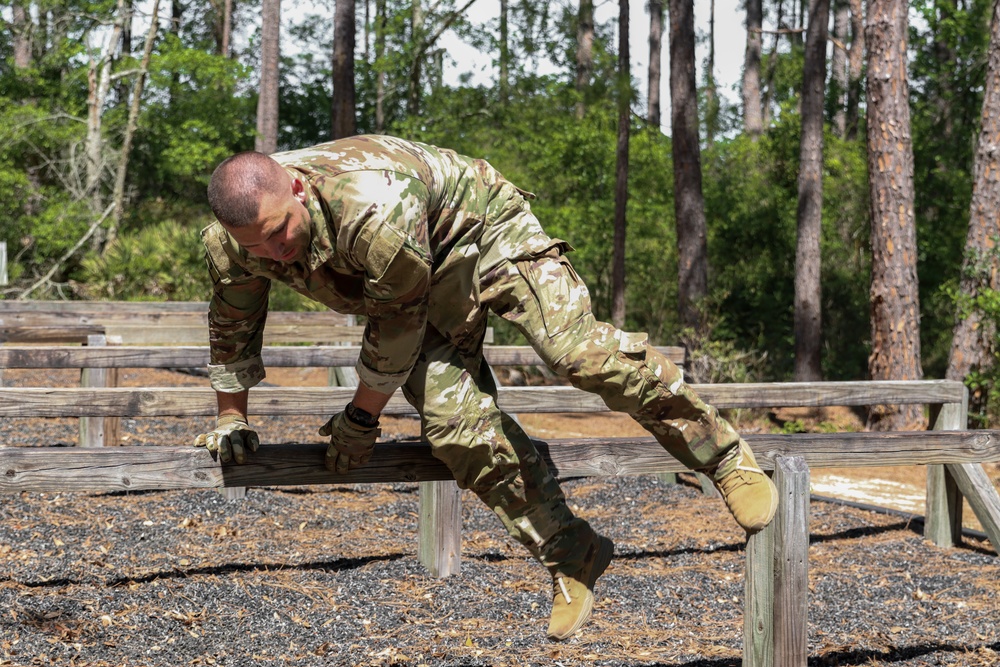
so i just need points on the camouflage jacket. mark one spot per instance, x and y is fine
(395, 231)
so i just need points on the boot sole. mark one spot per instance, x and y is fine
(605, 551)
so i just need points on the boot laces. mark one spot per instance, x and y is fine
(565, 591)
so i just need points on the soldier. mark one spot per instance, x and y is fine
(423, 242)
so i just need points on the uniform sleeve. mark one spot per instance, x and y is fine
(237, 313)
(383, 231)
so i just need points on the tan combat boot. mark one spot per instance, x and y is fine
(750, 494)
(573, 596)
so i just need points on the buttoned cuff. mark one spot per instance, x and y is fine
(238, 376)
(383, 383)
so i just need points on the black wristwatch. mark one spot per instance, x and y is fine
(360, 417)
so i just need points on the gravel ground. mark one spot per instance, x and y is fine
(328, 576)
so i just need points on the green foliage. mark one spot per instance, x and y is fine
(161, 262)
(751, 200)
(193, 119)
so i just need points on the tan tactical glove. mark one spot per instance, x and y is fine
(351, 443)
(231, 438)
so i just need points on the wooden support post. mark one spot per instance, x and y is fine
(791, 563)
(943, 513)
(758, 606)
(978, 489)
(707, 487)
(92, 428)
(440, 547)
(943, 506)
(113, 425)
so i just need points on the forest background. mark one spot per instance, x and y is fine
(114, 113)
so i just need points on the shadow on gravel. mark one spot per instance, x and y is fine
(898, 654)
(915, 526)
(668, 553)
(864, 531)
(336, 565)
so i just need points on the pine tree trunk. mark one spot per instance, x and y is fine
(20, 27)
(416, 69)
(772, 66)
(711, 94)
(855, 68)
(808, 297)
(270, 56)
(584, 52)
(689, 203)
(655, 62)
(504, 53)
(973, 344)
(895, 303)
(379, 65)
(838, 65)
(621, 181)
(753, 118)
(343, 103)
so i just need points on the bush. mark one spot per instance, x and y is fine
(162, 262)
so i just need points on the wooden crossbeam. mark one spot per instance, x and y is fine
(115, 314)
(76, 333)
(34, 305)
(200, 401)
(274, 356)
(166, 467)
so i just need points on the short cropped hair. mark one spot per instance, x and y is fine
(238, 184)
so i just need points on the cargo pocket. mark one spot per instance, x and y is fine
(561, 299)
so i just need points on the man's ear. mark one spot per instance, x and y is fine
(299, 190)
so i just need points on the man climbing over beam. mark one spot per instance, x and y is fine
(424, 242)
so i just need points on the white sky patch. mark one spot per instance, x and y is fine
(730, 43)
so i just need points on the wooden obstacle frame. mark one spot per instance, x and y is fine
(776, 601)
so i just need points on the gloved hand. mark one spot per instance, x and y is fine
(351, 444)
(231, 437)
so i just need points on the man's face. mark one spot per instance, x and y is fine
(282, 230)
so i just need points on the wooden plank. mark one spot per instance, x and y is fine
(56, 334)
(54, 468)
(166, 334)
(758, 607)
(943, 505)
(115, 314)
(791, 563)
(35, 305)
(290, 400)
(814, 394)
(193, 356)
(978, 489)
(440, 546)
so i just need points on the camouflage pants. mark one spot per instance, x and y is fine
(455, 393)
(547, 301)
(488, 453)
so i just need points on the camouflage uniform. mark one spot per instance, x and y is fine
(423, 242)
